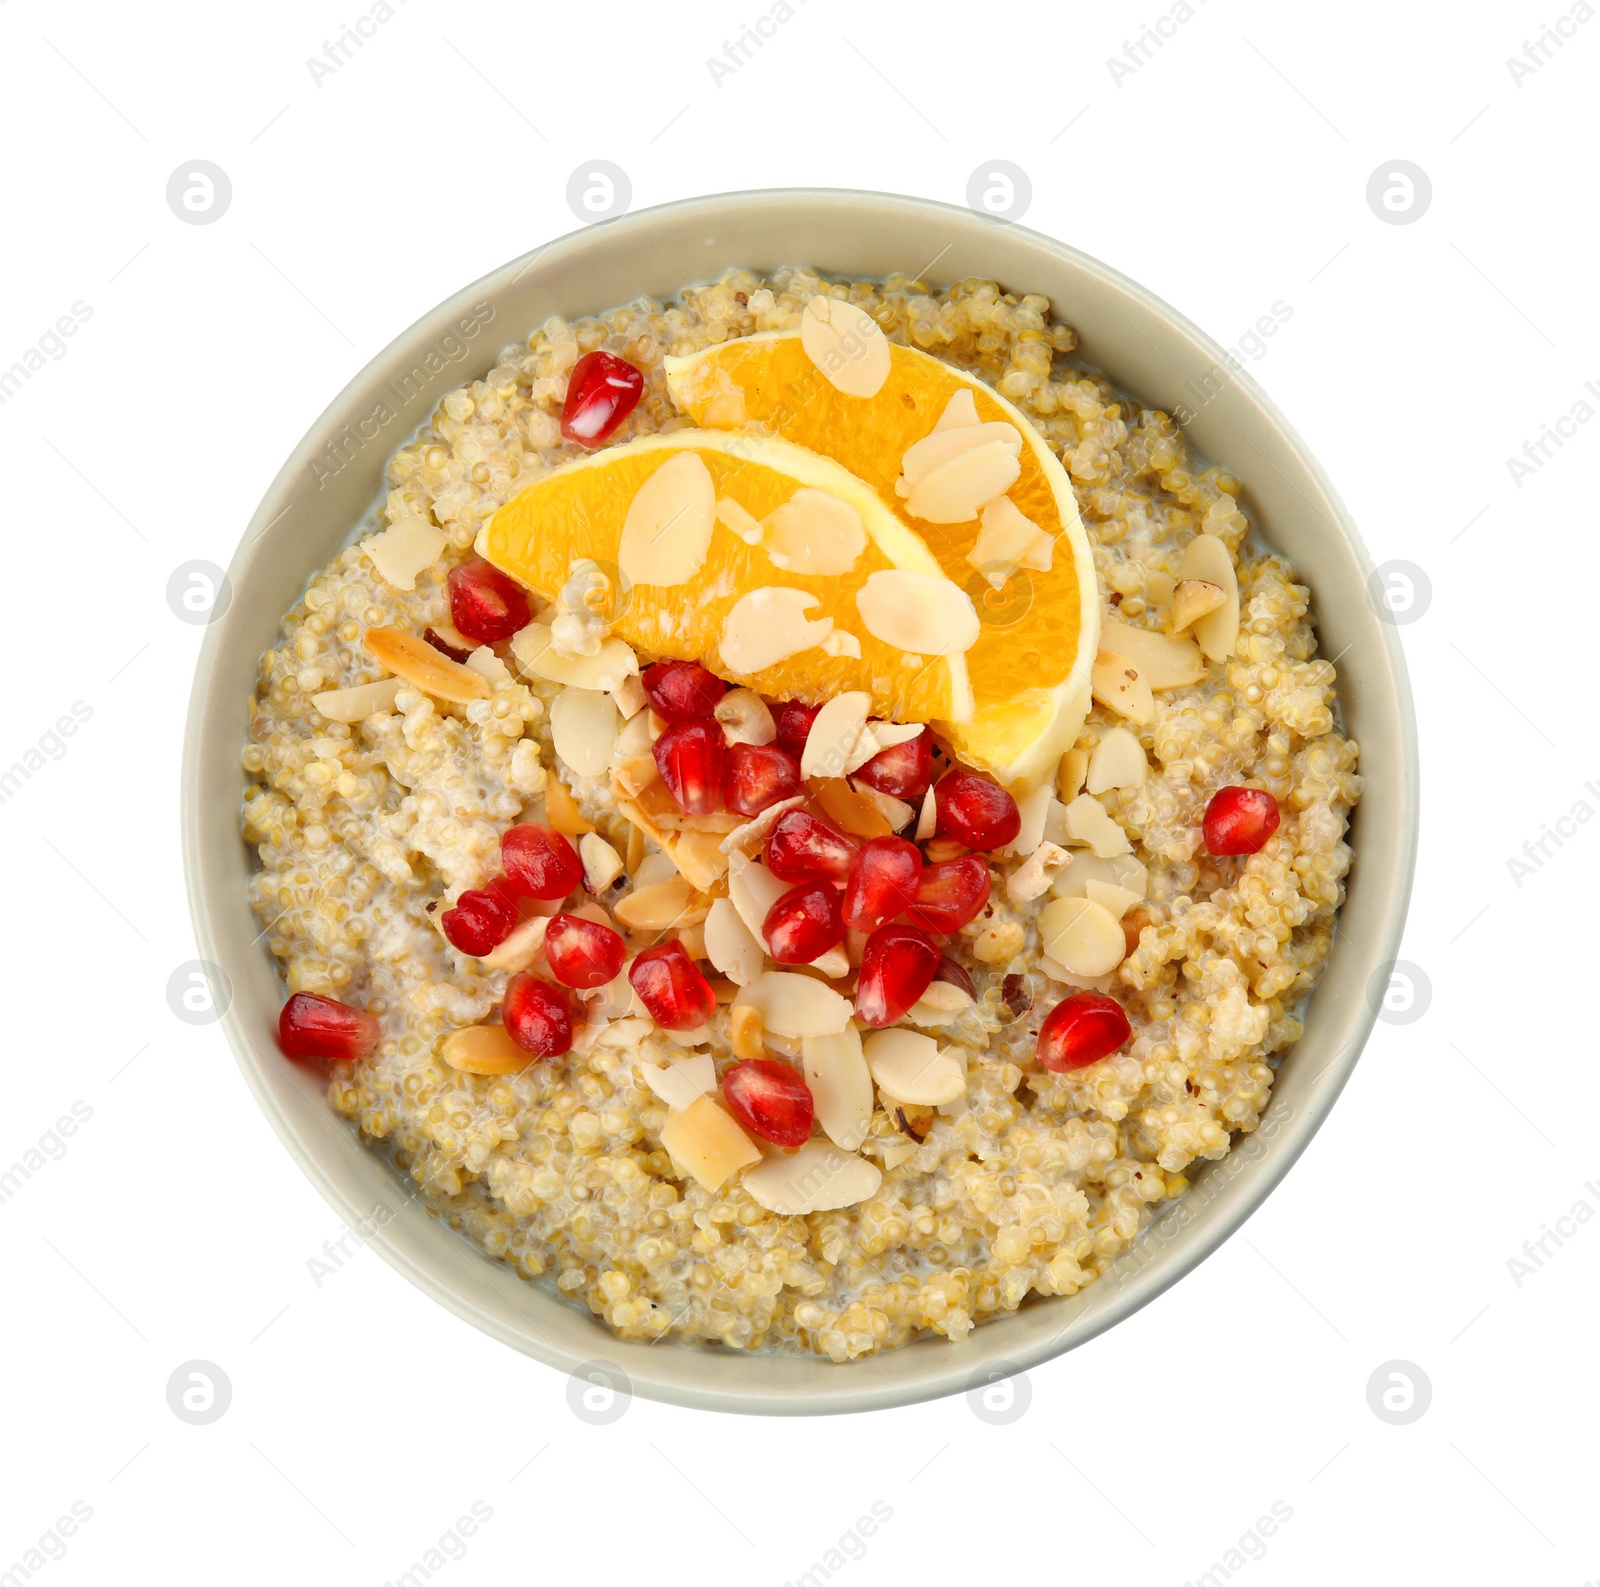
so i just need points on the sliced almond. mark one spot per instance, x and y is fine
(609, 668)
(848, 810)
(1033, 877)
(834, 964)
(602, 865)
(403, 550)
(625, 1033)
(484, 1050)
(488, 665)
(927, 817)
(753, 890)
(699, 857)
(940, 1004)
(841, 1086)
(744, 1028)
(1208, 558)
(583, 728)
(561, 809)
(938, 447)
(1082, 936)
(707, 1144)
(1007, 541)
(956, 490)
(412, 658)
(1119, 870)
(522, 949)
(846, 344)
(667, 530)
(1119, 686)
(1073, 770)
(912, 1067)
(769, 625)
(629, 695)
(1116, 901)
(730, 944)
(1088, 822)
(356, 704)
(815, 532)
(1032, 808)
(839, 643)
(749, 837)
(746, 718)
(1055, 820)
(897, 1153)
(662, 906)
(895, 812)
(832, 744)
(794, 1004)
(741, 522)
(1192, 599)
(1118, 761)
(817, 1178)
(1163, 662)
(921, 612)
(682, 1083)
(960, 410)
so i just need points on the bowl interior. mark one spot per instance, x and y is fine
(334, 478)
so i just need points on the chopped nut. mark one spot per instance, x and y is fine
(768, 626)
(358, 703)
(661, 906)
(817, 1178)
(1088, 822)
(911, 1067)
(1118, 761)
(1082, 936)
(730, 945)
(484, 1050)
(1016, 991)
(793, 1004)
(848, 809)
(1033, 877)
(1191, 600)
(841, 1086)
(403, 550)
(1000, 942)
(1217, 631)
(561, 810)
(602, 865)
(667, 530)
(846, 344)
(815, 532)
(707, 1143)
(744, 1030)
(1162, 662)
(522, 949)
(950, 973)
(1070, 775)
(414, 659)
(1119, 686)
(746, 718)
(925, 613)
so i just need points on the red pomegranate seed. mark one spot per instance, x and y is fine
(481, 918)
(801, 848)
(951, 894)
(536, 1016)
(770, 1100)
(897, 966)
(670, 985)
(976, 811)
(794, 719)
(757, 776)
(903, 770)
(804, 923)
(1240, 820)
(689, 756)
(681, 690)
(324, 1028)
(602, 391)
(540, 862)
(486, 605)
(883, 881)
(582, 953)
(1081, 1030)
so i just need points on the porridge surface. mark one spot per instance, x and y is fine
(1031, 1183)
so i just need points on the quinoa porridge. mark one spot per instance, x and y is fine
(626, 899)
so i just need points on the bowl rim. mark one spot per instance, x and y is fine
(666, 1377)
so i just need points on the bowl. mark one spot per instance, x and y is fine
(336, 474)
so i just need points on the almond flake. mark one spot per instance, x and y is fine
(1033, 877)
(832, 744)
(730, 944)
(403, 550)
(1191, 600)
(815, 532)
(682, 1083)
(1082, 936)
(409, 657)
(484, 1050)
(794, 1004)
(358, 703)
(895, 811)
(900, 1152)
(959, 411)
(707, 1144)
(1033, 807)
(629, 695)
(602, 865)
(608, 668)
(841, 1086)
(488, 665)
(817, 1178)
(1120, 870)
(940, 446)
(1072, 771)
(583, 728)
(700, 860)
(840, 643)
(744, 524)
(1116, 901)
(1089, 823)
(1163, 662)
(753, 890)
(1209, 558)
(663, 906)
(522, 949)
(956, 490)
(667, 530)
(752, 835)
(1119, 686)
(927, 817)
(846, 344)
(834, 964)
(911, 1067)
(769, 625)
(1118, 761)
(925, 613)
(746, 718)
(1007, 541)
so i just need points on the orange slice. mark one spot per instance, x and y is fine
(762, 559)
(1030, 666)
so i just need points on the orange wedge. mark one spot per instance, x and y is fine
(1030, 666)
(748, 553)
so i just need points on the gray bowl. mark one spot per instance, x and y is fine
(334, 477)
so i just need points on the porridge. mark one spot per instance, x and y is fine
(804, 816)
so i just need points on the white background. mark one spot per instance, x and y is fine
(1228, 172)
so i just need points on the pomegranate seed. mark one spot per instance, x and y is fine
(951, 894)
(794, 719)
(770, 1100)
(689, 756)
(536, 1016)
(602, 391)
(976, 811)
(682, 690)
(804, 923)
(582, 953)
(670, 985)
(1240, 820)
(903, 770)
(481, 918)
(486, 605)
(801, 848)
(883, 881)
(759, 775)
(540, 862)
(897, 967)
(322, 1027)
(1081, 1030)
